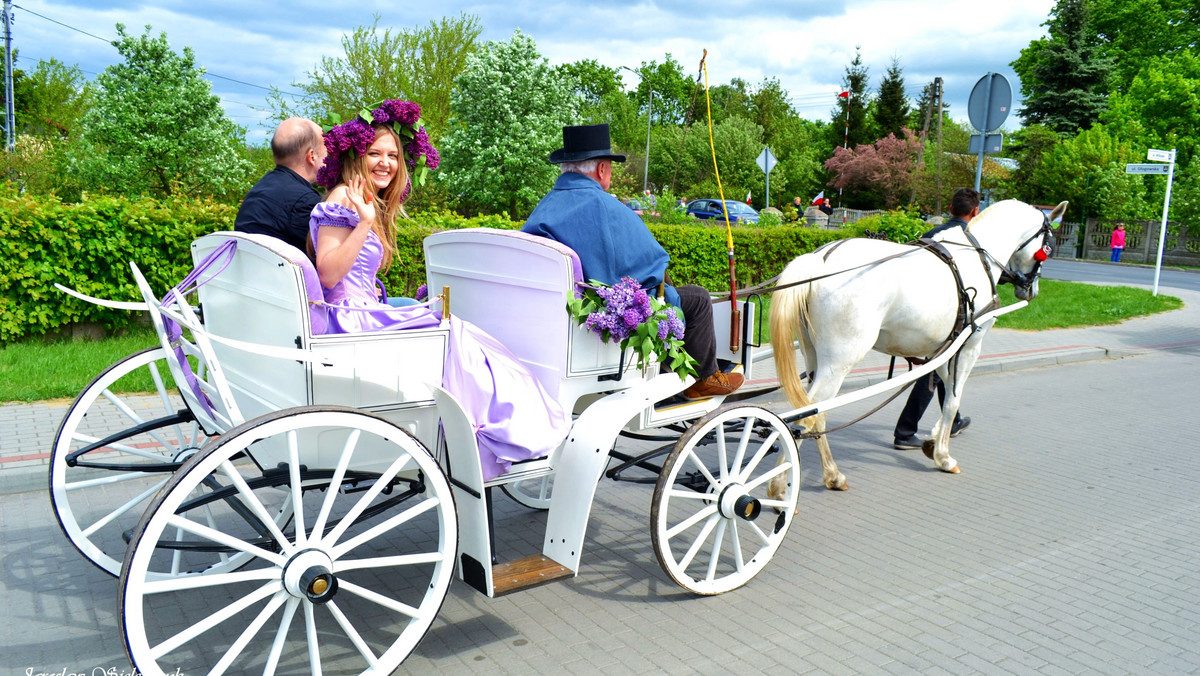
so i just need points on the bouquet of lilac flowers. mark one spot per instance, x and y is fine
(626, 313)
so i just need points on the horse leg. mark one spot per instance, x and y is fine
(954, 376)
(825, 386)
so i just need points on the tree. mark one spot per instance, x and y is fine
(891, 107)
(48, 101)
(1132, 32)
(1161, 108)
(156, 127)
(858, 103)
(1089, 171)
(603, 99)
(1064, 77)
(509, 107)
(418, 64)
(1029, 146)
(738, 142)
(878, 174)
(673, 91)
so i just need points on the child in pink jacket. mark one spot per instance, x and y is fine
(1118, 242)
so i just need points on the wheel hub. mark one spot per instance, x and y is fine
(309, 575)
(736, 503)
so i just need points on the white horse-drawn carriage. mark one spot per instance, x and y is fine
(311, 497)
(332, 474)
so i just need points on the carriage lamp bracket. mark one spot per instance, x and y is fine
(619, 373)
(758, 320)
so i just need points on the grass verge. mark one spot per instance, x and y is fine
(35, 370)
(1065, 305)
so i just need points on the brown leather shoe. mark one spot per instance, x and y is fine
(718, 384)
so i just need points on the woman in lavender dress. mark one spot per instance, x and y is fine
(369, 174)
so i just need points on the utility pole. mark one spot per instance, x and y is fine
(924, 135)
(10, 127)
(938, 84)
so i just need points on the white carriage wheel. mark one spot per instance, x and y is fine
(98, 498)
(532, 493)
(354, 579)
(711, 521)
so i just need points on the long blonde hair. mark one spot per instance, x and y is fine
(389, 203)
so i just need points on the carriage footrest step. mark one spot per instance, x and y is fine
(526, 573)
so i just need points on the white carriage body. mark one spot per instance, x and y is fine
(263, 338)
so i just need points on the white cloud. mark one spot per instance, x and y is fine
(805, 44)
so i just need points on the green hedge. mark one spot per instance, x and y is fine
(88, 246)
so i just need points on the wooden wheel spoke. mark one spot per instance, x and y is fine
(709, 525)
(216, 618)
(374, 532)
(352, 634)
(380, 599)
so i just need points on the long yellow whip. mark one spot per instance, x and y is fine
(735, 316)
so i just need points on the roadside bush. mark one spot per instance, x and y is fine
(898, 225)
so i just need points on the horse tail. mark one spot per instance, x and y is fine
(789, 319)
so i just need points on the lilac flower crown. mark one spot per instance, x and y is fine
(626, 313)
(356, 136)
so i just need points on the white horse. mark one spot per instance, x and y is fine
(905, 306)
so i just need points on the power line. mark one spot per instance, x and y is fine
(210, 74)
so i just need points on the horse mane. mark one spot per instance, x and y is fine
(1000, 211)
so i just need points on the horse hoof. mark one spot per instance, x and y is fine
(839, 484)
(953, 470)
(927, 448)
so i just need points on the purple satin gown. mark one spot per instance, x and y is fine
(514, 418)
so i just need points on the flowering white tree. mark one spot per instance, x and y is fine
(508, 109)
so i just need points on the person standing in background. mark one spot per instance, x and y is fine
(1118, 242)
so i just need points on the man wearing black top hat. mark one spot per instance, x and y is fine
(612, 242)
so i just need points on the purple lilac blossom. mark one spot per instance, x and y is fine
(423, 292)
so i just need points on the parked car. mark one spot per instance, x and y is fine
(708, 208)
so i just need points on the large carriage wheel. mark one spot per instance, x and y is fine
(351, 582)
(712, 523)
(99, 496)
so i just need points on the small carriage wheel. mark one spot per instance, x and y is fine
(99, 496)
(532, 493)
(711, 521)
(352, 581)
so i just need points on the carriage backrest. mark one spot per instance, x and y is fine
(515, 286)
(262, 297)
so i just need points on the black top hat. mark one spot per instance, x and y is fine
(587, 142)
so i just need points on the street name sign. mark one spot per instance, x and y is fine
(1147, 169)
(1161, 155)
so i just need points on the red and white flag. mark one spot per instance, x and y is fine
(820, 196)
(748, 197)
(844, 95)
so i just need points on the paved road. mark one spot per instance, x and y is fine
(1106, 273)
(1069, 544)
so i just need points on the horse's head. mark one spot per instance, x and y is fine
(1025, 264)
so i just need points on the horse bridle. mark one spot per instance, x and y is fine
(1027, 279)
(1015, 277)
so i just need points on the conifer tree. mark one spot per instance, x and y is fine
(1064, 76)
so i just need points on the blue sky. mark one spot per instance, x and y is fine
(805, 44)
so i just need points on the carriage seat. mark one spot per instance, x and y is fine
(264, 297)
(515, 286)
